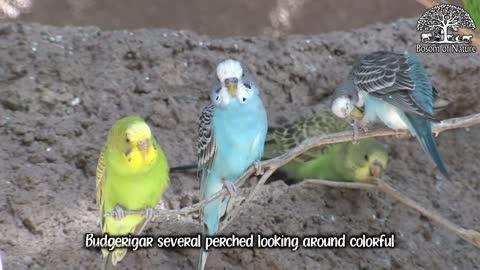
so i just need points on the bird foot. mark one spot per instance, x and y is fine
(363, 127)
(355, 132)
(118, 213)
(149, 214)
(356, 124)
(258, 167)
(231, 188)
(161, 204)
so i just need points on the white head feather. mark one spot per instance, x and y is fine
(232, 69)
(342, 106)
(229, 69)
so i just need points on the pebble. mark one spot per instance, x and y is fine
(75, 101)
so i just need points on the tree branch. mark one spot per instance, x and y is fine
(275, 163)
(471, 236)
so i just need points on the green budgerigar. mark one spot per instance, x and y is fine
(361, 162)
(132, 173)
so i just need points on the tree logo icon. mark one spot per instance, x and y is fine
(440, 23)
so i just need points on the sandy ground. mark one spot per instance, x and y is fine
(62, 88)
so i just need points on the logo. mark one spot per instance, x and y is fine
(439, 27)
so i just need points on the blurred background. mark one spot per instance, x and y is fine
(214, 17)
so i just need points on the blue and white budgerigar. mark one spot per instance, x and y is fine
(396, 89)
(232, 134)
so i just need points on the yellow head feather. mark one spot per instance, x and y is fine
(363, 160)
(131, 146)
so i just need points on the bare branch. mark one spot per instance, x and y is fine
(471, 236)
(236, 210)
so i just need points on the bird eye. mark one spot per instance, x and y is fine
(244, 99)
(349, 96)
(127, 140)
(366, 157)
(247, 85)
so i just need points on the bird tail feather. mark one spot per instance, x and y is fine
(202, 260)
(107, 262)
(423, 131)
(113, 257)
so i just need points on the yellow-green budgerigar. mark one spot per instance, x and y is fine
(361, 162)
(132, 173)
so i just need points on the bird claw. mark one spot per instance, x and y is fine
(161, 204)
(149, 214)
(364, 127)
(258, 168)
(356, 124)
(355, 132)
(118, 213)
(231, 188)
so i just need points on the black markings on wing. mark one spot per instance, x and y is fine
(282, 140)
(385, 75)
(206, 148)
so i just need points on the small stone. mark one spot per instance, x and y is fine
(75, 101)
(27, 260)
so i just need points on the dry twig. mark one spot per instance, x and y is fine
(471, 236)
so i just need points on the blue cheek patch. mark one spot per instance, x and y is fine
(154, 146)
(128, 152)
(247, 85)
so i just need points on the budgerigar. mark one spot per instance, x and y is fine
(132, 173)
(360, 162)
(232, 133)
(396, 89)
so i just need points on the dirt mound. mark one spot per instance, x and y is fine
(62, 88)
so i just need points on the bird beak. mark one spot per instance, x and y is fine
(143, 146)
(231, 84)
(356, 113)
(376, 169)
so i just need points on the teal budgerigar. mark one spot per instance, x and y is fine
(396, 89)
(232, 133)
(361, 162)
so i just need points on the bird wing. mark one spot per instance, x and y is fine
(439, 103)
(282, 140)
(386, 75)
(207, 147)
(100, 183)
